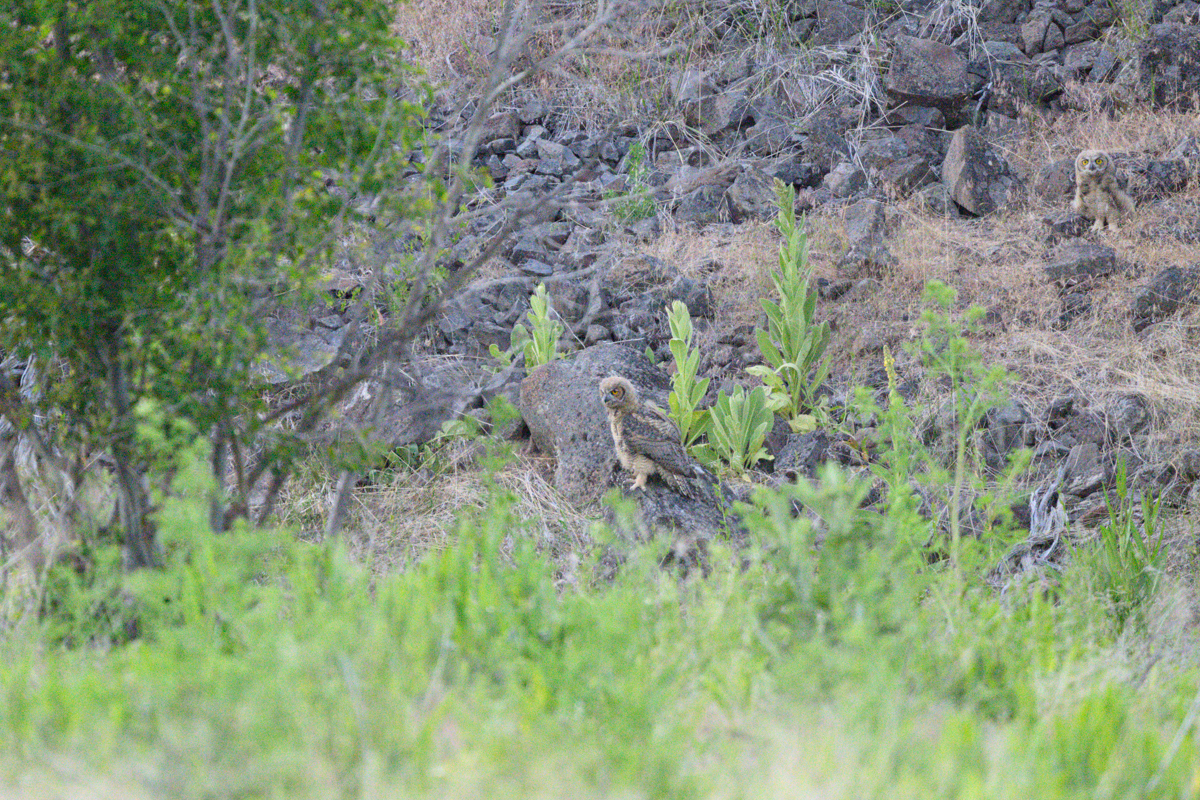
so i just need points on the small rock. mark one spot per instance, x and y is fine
(1084, 472)
(533, 112)
(1067, 223)
(530, 248)
(1044, 31)
(504, 125)
(845, 180)
(537, 268)
(703, 206)
(1072, 307)
(694, 294)
(1129, 415)
(1072, 263)
(939, 201)
(901, 178)
(751, 196)
(836, 23)
(802, 454)
(799, 174)
(909, 114)
(596, 334)
(1054, 182)
(1005, 429)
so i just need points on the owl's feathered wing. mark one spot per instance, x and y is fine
(1123, 200)
(650, 433)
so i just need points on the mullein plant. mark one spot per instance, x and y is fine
(793, 343)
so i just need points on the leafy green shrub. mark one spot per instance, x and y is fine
(941, 452)
(538, 341)
(793, 344)
(637, 202)
(738, 427)
(848, 569)
(1128, 562)
(175, 210)
(686, 390)
(974, 389)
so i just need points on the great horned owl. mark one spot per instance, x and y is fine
(646, 439)
(1097, 194)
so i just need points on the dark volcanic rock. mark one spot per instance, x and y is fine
(1072, 263)
(1164, 295)
(1169, 66)
(979, 178)
(932, 74)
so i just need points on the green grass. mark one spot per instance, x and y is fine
(271, 668)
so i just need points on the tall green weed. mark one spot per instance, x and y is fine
(793, 343)
(687, 390)
(738, 424)
(537, 340)
(1127, 561)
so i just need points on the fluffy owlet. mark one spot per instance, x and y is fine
(1097, 194)
(646, 439)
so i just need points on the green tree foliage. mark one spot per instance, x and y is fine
(163, 170)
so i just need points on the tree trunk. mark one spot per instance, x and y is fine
(133, 501)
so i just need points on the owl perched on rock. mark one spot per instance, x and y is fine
(1097, 194)
(646, 439)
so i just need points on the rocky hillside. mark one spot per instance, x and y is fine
(925, 141)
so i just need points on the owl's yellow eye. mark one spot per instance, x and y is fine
(1083, 161)
(1099, 162)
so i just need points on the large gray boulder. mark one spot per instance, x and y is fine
(978, 177)
(1169, 66)
(931, 74)
(560, 403)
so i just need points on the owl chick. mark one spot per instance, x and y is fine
(646, 439)
(1097, 194)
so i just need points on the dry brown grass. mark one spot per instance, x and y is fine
(448, 39)
(453, 43)
(1138, 130)
(407, 514)
(624, 70)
